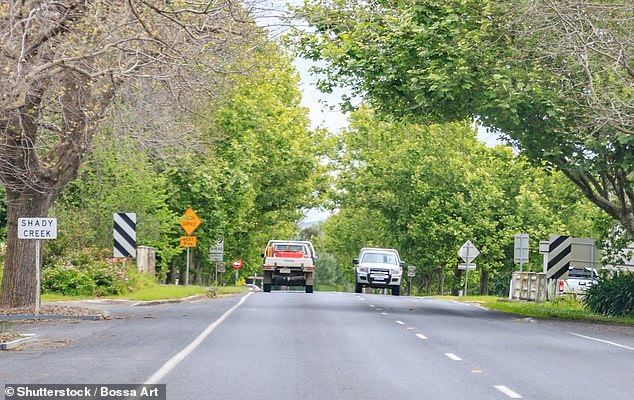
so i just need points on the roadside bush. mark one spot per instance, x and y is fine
(67, 280)
(613, 295)
(85, 273)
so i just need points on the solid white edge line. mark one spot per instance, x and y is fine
(453, 356)
(602, 341)
(421, 336)
(508, 392)
(181, 355)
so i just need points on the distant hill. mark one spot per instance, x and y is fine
(306, 224)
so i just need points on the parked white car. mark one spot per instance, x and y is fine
(579, 280)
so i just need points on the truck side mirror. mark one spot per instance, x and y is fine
(355, 261)
(402, 264)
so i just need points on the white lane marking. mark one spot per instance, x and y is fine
(181, 355)
(400, 322)
(383, 313)
(508, 392)
(372, 305)
(602, 341)
(469, 304)
(421, 336)
(453, 356)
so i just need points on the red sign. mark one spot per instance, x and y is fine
(237, 264)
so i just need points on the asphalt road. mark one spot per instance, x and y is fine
(290, 345)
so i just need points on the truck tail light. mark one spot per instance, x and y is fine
(269, 268)
(561, 286)
(309, 269)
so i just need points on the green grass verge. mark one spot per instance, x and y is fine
(565, 308)
(158, 292)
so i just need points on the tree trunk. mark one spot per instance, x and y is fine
(19, 279)
(441, 282)
(484, 282)
(455, 288)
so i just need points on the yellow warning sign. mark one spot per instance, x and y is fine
(188, 241)
(190, 221)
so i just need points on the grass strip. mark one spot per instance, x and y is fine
(565, 308)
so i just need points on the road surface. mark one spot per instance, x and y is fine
(292, 345)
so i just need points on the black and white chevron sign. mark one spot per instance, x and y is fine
(559, 255)
(125, 235)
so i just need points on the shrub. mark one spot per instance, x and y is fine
(613, 295)
(87, 273)
(67, 280)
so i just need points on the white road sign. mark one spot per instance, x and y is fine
(467, 267)
(216, 252)
(468, 252)
(37, 228)
(219, 247)
(520, 253)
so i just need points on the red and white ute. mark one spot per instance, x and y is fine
(289, 263)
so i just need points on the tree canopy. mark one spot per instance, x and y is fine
(425, 190)
(555, 77)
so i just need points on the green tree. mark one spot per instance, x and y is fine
(117, 177)
(554, 77)
(63, 64)
(425, 190)
(260, 170)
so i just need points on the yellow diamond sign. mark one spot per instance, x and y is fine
(190, 221)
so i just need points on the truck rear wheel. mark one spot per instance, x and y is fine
(266, 287)
(396, 291)
(309, 288)
(358, 288)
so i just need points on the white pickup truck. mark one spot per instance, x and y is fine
(378, 268)
(578, 281)
(289, 263)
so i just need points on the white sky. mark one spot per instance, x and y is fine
(318, 103)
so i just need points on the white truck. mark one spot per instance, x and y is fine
(289, 263)
(378, 268)
(578, 281)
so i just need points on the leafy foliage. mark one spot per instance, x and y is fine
(79, 274)
(116, 178)
(425, 190)
(613, 295)
(543, 73)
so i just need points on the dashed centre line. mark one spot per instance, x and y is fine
(453, 356)
(501, 388)
(511, 394)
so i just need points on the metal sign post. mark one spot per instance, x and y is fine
(37, 229)
(521, 248)
(468, 252)
(187, 269)
(38, 279)
(411, 272)
(237, 265)
(189, 223)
